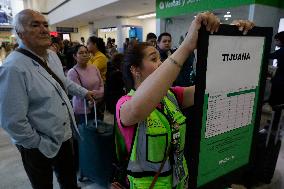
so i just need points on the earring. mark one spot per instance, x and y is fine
(138, 77)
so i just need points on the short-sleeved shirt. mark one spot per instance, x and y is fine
(128, 131)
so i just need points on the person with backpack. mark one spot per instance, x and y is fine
(149, 117)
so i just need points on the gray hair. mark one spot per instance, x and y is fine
(20, 20)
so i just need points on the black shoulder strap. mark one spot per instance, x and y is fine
(43, 64)
(78, 76)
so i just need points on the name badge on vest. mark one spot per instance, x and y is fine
(178, 168)
(178, 156)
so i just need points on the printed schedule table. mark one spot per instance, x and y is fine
(228, 111)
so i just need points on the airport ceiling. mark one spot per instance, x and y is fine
(132, 8)
(122, 9)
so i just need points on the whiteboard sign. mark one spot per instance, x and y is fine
(230, 80)
(233, 72)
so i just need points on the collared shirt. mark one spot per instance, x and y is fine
(34, 109)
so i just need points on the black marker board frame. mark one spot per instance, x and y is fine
(194, 134)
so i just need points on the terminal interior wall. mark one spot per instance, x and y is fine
(83, 32)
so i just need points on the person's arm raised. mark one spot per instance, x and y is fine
(156, 85)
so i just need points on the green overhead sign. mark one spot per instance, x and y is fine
(168, 8)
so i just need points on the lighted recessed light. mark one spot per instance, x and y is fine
(146, 16)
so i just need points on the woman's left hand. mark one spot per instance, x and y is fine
(211, 22)
(243, 25)
(90, 96)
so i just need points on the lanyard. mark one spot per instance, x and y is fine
(179, 172)
(174, 127)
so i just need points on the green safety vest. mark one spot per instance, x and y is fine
(152, 139)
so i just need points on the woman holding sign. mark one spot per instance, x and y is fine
(149, 118)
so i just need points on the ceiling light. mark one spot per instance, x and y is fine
(227, 16)
(228, 12)
(105, 30)
(146, 16)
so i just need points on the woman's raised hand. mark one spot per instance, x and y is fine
(243, 25)
(211, 22)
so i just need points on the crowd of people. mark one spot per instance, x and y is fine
(146, 87)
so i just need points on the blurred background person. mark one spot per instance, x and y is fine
(97, 49)
(83, 40)
(164, 45)
(57, 46)
(277, 82)
(151, 38)
(126, 44)
(114, 87)
(111, 48)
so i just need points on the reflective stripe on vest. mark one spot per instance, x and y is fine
(152, 138)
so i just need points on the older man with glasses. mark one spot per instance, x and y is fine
(34, 106)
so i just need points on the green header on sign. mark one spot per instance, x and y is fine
(241, 92)
(168, 8)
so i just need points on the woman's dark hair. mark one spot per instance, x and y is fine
(117, 60)
(99, 42)
(75, 51)
(151, 36)
(280, 37)
(133, 57)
